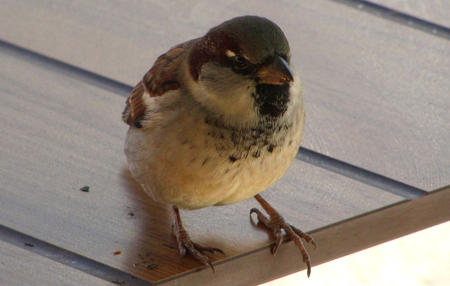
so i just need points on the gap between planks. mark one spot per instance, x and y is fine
(69, 258)
(398, 17)
(309, 156)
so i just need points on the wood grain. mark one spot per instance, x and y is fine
(437, 11)
(19, 267)
(376, 91)
(60, 134)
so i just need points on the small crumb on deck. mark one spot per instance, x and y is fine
(85, 189)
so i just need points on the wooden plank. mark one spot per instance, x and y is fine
(436, 11)
(60, 134)
(408, 260)
(335, 241)
(376, 91)
(19, 267)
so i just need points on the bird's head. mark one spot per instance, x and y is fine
(241, 70)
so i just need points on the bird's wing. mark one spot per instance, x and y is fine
(160, 78)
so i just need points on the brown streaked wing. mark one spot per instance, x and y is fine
(161, 77)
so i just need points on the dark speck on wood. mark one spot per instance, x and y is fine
(232, 159)
(270, 148)
(84, 189)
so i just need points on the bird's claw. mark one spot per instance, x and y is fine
(186, 245)
(275, 223)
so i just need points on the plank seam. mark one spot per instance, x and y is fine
(61, 67)
(69, 258)
(359, 174)
(398, 17)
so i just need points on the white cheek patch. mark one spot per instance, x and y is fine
(295, 91)
(148, 101)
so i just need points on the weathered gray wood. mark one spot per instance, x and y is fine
(377, 93)
(437, 11)
(59, 134)
(19, 267)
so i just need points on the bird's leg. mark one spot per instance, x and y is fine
(275, 223)
(185, 244)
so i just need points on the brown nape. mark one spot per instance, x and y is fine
(211, 47)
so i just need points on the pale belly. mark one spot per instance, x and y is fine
(196, 165)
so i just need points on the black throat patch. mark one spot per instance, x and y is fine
(272, 100)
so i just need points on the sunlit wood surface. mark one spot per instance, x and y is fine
(377, 97)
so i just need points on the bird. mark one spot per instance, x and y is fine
(216, 120)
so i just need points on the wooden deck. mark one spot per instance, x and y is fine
(375, 163)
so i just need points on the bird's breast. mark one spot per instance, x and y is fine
(193, 161)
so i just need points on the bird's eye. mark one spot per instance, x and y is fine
(240, 63)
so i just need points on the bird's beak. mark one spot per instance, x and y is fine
(276, 72)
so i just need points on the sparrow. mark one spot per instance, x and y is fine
(217, 120)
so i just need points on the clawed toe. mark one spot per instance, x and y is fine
(276, 223)
(207, 248)
(187, 246)
(306, 237)
(262, 219)
(196, 251)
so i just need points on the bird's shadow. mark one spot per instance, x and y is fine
(155, 247)
(152, 243)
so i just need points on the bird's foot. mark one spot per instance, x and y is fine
(186, 245)
(276, 223)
